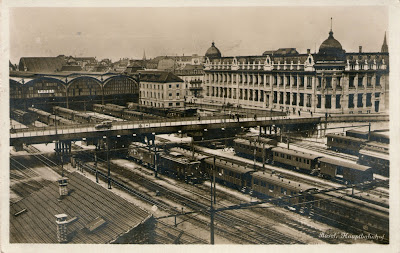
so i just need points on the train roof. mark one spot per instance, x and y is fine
(339, 136)
(356, 131)
(253, 143)
(177, 159)
(188, 153)
(228, 165)
(295, 153)
(375, 154)
(276, 180)
(344, 164)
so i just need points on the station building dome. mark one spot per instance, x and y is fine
(331, 50)
(213, 52)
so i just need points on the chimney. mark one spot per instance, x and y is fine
(360, 49)
(62, 227)
(62, 184)
(308, 51)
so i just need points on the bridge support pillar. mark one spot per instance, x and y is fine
(18, 147)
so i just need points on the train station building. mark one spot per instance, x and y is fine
(328, 81)
(71, 90)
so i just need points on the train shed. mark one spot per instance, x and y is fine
(78, 211)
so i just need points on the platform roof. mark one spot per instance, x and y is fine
(86, 204)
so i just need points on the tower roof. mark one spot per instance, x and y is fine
(213, 52)
(331, 49)
(385, 48)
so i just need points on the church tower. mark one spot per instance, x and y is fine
(385, 48)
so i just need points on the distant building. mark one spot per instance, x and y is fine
(41, 64)
(71, 68)
(77, 210)
(161, 89)
(12, 67)
(330, 81)
(172, 63)
(84, 61)
(193, 76)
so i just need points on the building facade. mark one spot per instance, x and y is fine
(330, 81)
(161, 89)
(193, 76)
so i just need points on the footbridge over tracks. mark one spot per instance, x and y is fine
(129, 128)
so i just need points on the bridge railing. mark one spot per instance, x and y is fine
(87, 128)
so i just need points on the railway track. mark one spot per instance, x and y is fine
(362, 194)
(244, 231)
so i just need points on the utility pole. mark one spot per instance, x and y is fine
(95, 163)
(263, 156)
(212, 199)
(155, 160)
(108, 163)
(369, 131)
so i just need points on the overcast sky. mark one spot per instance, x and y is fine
(125, 32)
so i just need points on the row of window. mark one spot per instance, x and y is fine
(272, 187)
(158, 86)
(289, 157)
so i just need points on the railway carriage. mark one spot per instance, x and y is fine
(228, 173)
(176, 165)
(23, 117)
(296, 159)
(98, 108)
(351, 214)
(379, 161)
(380, 137)
(64, 112)
(247, 148)
(272, 186)
(140, 153)
(344, 171)
(357, 134)
(347, 144)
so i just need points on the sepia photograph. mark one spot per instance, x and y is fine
(199, 125)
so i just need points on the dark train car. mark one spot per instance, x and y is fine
(376, 147)
(379, 161)
(353, 215)
(176, 165)
(380, 137)
(42, 116)
(296, 159)
(133, 115)
(247, 148)
(23, 117)
(357, 134)
(86, 118)
(345, 144)
(64, 112)
(228, 173)
(260, 139)
(267, 185)
(140, 153)
(345, 171)
(114, 110)
(98, 108)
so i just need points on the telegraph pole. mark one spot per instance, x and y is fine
(212, 200)
(95, 163)
(108, 163)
